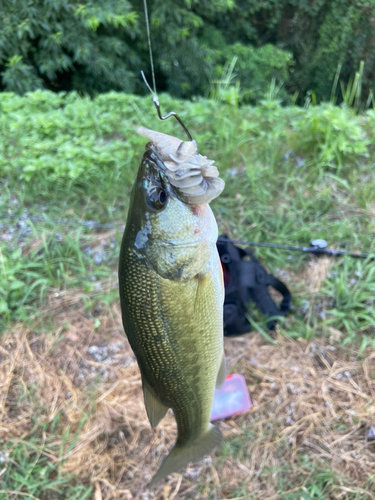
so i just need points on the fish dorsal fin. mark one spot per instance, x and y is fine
(194, 175)
(155, 409)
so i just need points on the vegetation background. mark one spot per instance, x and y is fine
(72, 420)
(101, 45)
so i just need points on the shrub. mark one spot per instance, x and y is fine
(64, 44)
(101, 45)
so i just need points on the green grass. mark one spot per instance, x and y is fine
(28, 471)
(32, 475)
(291, 175)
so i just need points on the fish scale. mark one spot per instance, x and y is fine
(156, 347)
(171, 295)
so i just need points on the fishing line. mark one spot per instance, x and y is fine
(153, 92)
(149, 48)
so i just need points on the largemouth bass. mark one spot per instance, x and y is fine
(172, 292)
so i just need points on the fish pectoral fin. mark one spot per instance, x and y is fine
(221, 274)
(221, 373)
(154, 408)
(181, 455)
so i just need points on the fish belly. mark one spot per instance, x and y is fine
(175, 329)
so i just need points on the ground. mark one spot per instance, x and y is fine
(309, 434)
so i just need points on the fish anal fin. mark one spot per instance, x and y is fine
(154, 408)
(181, 455)
(221, 373)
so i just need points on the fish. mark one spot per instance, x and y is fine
(172, 292)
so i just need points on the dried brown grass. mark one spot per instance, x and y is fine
(311, 402)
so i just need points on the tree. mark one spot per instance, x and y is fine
(62, 44)
(101, 45)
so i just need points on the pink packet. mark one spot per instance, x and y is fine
(233, 397)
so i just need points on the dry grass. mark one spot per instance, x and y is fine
(311, 402)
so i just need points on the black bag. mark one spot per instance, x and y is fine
(247, 280)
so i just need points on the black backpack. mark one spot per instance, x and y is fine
(245, 281)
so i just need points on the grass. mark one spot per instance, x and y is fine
(308, 433)
(291, 175)
(31, 474)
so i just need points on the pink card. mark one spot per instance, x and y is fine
(232, 398)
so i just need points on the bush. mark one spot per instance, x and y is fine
(64, 44)
(256, 68)
(292, 175)
(102, 45)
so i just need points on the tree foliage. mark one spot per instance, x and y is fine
(101, 45)
(65, 44)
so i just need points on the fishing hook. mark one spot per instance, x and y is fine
(172, 113)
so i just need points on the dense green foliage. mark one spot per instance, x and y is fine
(55, 43)
(102, 45)
(291, 174)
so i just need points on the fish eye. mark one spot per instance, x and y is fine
(156, 198)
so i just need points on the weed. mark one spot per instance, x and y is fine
(291, 175)
(30, 473)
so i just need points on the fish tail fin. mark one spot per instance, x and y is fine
(180, 456)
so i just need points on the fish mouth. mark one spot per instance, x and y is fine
(193, 177)
(153, 171)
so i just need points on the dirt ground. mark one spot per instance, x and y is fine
(313, 403)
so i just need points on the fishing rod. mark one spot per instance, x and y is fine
(317, 247)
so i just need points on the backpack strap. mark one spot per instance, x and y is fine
(237, 296)
(260, 295)
(263, 300)
(248, 280)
